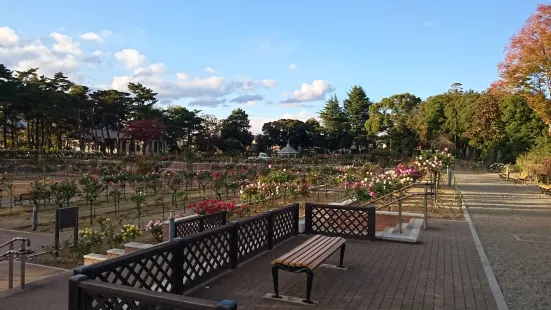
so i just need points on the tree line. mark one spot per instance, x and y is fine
(509, 118)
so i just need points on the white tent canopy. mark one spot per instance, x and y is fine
(287, 151)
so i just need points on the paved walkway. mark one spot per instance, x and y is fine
(514, 225)
(444, 271)
(47, 294)
(39, 241)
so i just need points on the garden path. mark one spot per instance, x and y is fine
(514, 225)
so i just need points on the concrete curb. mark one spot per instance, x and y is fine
(492, 281)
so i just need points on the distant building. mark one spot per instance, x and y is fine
(118, 141)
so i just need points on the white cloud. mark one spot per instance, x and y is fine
(19, 54)
(309, 92)
(65, 44)
(269, 83)
(130, 58)
(209, 70)
(97, 53)
(258, 122)
(92, 36)
(292, 67)
(106, 33)
(8, 37)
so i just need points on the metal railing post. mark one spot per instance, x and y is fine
(425, 203)
(10, 267)
(400, 211)
(22, 262)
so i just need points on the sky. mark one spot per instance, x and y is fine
(274, 59)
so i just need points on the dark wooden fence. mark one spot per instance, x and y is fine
(175, 266)
(194, 225)
(87, 294)
(335, 220)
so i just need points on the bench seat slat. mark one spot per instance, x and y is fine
(304, 252)
(313, 253)
(295, 251)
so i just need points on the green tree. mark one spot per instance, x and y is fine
(356, 108)
(235, 130)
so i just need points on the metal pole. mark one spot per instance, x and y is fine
(34, 218)
(171, 226)
(22, 262)
(449, 176)
(425, 206)
(400, 211)
(507, 167)
(10, 267)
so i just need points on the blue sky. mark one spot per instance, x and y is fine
(388, 47)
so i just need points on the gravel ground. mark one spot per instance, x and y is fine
(514, 224)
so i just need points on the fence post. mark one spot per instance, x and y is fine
(201, 223)
(296, 218)
(171, 226)
(227, 305)
(372, 222)
(176, 281)
(234, 244)
(270, 230)
(76, 297)
(449, 176)
(308, 218)
(225, 217)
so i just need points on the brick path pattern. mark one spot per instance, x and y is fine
(443, 271)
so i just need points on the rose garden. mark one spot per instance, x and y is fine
(125, 200)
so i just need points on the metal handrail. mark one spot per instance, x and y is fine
(12, 254)
(16, 239)
(396, 192)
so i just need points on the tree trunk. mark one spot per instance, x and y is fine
(109, 140)
(59, 141)
(37, 133)
(13, 133)
(5, 125)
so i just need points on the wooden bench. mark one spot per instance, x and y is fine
(19, 200)
(522, 178)
(306, 258)
(545, 189)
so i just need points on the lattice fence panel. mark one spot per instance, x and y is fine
(152, 273)
(284, 223)
(187, 227)
(340, 221)
(214, 220)
(105, 301)
(253, 236)
(205, 257)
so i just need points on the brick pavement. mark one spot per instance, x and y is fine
(443, 271)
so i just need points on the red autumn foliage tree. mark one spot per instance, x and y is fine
(526, 68)
(145, 130)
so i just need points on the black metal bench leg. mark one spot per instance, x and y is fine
(276, 283)
(309, 280)
(343, 248)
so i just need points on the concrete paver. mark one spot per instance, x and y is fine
(513, 222)
(443, 271)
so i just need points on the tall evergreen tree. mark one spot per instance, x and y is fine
(356, 108)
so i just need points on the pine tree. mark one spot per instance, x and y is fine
(356, 108)
(332, 116)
